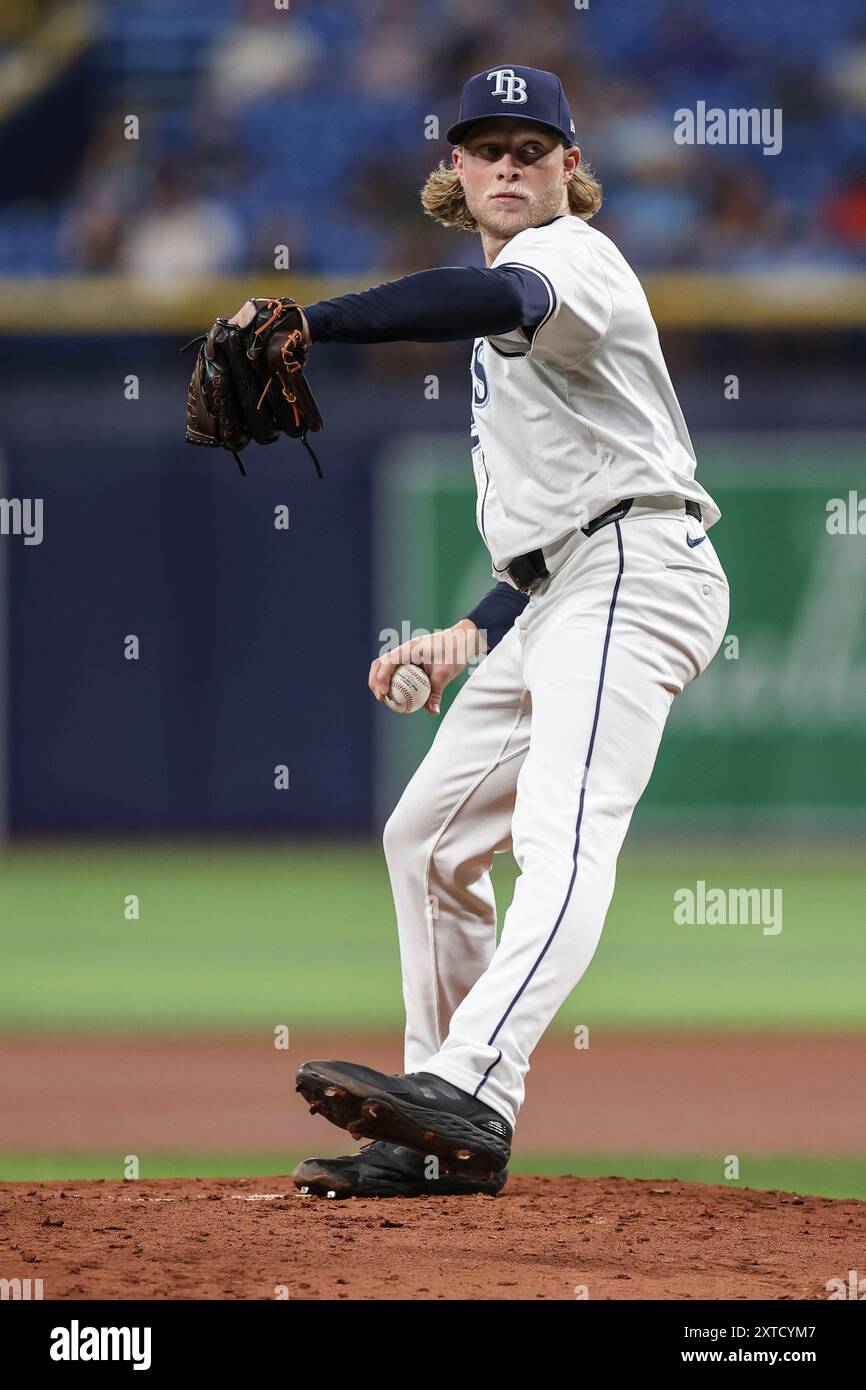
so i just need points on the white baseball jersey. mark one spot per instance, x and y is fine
(582, 416)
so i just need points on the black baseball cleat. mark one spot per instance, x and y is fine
(418, 1109)
(387, 1170)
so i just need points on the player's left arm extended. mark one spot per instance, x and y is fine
(434, 306)
(248, 381)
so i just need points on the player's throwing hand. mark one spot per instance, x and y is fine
(443, 655)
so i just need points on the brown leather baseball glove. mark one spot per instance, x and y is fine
(248, 382)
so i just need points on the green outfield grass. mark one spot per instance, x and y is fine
(825, 1177)
(233, 937)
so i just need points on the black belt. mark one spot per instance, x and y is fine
(529, 569)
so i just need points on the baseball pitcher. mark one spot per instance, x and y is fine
(609, 599)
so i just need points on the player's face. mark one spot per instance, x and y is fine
(514, 175)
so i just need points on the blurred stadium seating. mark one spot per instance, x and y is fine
(233, 102)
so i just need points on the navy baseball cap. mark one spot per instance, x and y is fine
(528, 94)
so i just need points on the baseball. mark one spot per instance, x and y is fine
(410, 690)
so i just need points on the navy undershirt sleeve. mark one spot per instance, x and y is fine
(496, 612)
(434, 306)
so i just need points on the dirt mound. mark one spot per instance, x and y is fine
(542, 1238)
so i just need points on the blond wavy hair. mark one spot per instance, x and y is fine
(443, 199)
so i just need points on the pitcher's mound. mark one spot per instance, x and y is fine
(543, 1237)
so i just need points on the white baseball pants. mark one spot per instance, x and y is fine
(546, 750)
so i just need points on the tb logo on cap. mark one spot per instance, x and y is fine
(509, 87)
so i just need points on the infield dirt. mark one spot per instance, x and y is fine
(542, 1238)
